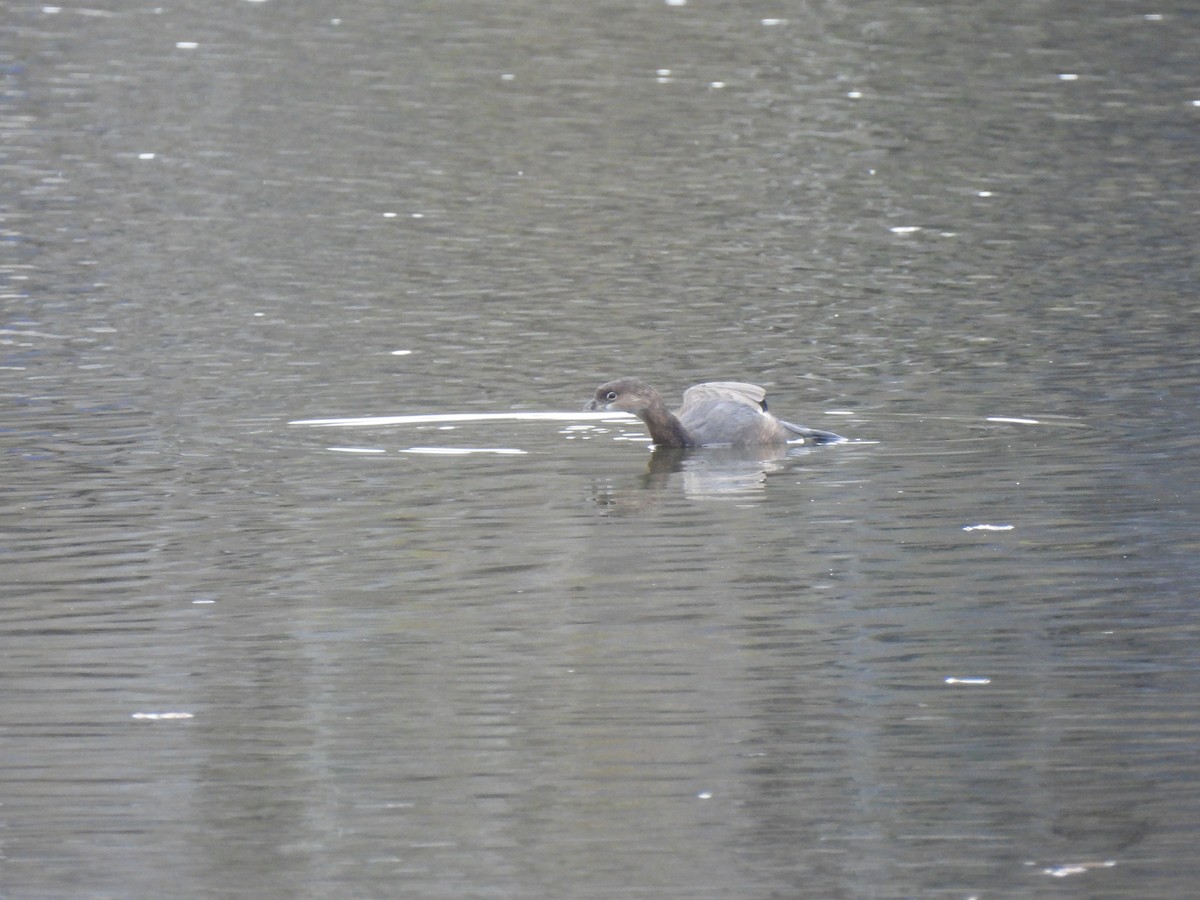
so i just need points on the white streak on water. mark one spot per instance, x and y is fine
(466, 417)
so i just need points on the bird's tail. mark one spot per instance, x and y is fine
(815, 434)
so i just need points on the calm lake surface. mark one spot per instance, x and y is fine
(517, 656)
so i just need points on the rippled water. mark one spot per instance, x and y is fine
(315, 583)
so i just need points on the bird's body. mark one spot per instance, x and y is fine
(714, 413)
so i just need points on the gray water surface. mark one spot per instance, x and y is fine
(516, 655)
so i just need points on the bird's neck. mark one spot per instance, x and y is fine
(665, 429)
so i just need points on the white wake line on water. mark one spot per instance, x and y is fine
(466, 451)
(433, 451)
(467, 417)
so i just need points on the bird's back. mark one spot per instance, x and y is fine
(729, 412)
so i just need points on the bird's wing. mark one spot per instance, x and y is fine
(724, 392)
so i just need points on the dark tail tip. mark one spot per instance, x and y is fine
(824, 437)
(816, 435)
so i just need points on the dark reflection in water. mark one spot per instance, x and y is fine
(515, 657)
(712, 473)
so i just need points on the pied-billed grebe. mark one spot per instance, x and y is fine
(716, 412)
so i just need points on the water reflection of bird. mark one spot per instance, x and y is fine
(713, 413)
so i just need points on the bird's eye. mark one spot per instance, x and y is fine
(610, 396)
